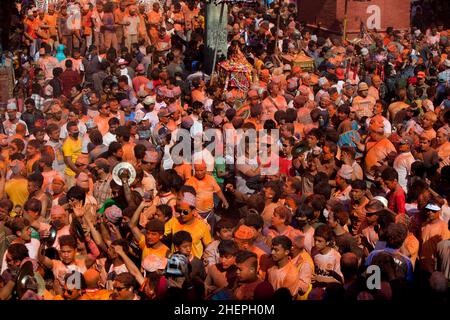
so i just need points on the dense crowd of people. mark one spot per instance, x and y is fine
(341, 193)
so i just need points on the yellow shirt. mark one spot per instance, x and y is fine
(17, 191)
(71, 148)
(160, 252)
(200, 234)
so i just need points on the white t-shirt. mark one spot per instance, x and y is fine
(108, 138)
(132, 28)
(402, 164)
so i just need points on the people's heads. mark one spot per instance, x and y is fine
(428, 119)
(72, 129)
(35, 182)
(227, 253)
(424, 142)
(200, 170)
(182, 241)
(363, 89)
(123, 286)
(74, 284)
(32, 209)
(104, 110)
(115, 150)
(21, 228)
(372, 209)
(293, 185)
(390, 178)
(349, 265)
(432, 211)
(396, 234)
(338, 218)
(247, 266)
(59, 216)
(281, 216)
(358, 191)
(92, 278)
(442, 135)
(323, 237)
(33, 147)
(281, 248)
(184, 209)
(58, 185)
(272, 191)
(15, 254)
(163, 212)
(68, 249)
(154, 231)
(224, 229)
(344, 176)
(244, 236)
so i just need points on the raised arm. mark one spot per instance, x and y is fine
(132, 268)
(46, 261)
(134, 222)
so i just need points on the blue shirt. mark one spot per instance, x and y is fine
(393, 253)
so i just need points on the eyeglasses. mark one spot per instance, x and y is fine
(182, 211)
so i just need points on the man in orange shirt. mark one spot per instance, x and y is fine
(123, 136)
(119, 14)
(178, 18)
(31, 27)
(33, 154)
(50, 21)
(102, 119)
(190, 12)
(154, 19)
(205, 186)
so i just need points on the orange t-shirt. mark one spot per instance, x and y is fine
(189, 17)
(205, 189)
(31, 162)
(154, 17)
(377, 152)
(128, 153)
(198, 95)
(178, 17)
(184, 170)
(102, 124)
(50, 20)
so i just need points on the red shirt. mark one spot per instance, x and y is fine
(286, 167)
(69, 78)
(397, 200)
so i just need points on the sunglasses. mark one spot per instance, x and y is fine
(182, 211)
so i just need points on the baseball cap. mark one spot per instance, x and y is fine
(432, 207)
(287, 67)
